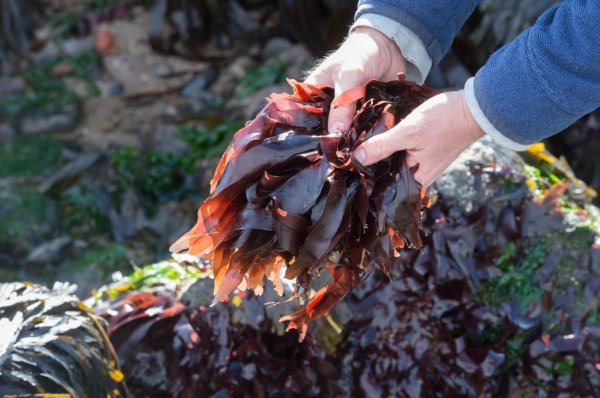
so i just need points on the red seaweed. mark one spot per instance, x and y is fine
(487, 308)
(287, 195)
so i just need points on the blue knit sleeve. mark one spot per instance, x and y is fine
(547, 78)
(436, 22)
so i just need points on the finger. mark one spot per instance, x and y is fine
(340, 118)
(385, 144)
(377, 148)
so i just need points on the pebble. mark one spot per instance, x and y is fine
(6, 131)
(116, 89)
(63, 120)
(275, 46)
(62, 69)
(48, 252)
(163, 69)
(200, 83)
(11, 85)
(68, 173)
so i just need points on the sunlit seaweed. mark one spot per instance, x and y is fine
(287, 192)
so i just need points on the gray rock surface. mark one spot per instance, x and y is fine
(457, 184)
(49, 252)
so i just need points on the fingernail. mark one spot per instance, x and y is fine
(336, 127)
(360, 155)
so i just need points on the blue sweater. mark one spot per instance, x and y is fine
(530, 89)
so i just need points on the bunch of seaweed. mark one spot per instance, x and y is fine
(287, 193)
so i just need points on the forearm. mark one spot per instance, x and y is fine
(544, 80)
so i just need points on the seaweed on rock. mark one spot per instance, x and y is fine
(501, 301)
(168, 348)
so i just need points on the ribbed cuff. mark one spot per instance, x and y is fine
(484, 122)
(411, 46)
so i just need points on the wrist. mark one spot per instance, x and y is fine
(417, 61)
(471, 129)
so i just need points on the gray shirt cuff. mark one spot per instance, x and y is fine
(485, 123)
(411, 46)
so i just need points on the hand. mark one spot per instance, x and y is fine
(365, 55)
(433, 135)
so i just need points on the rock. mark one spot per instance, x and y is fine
(62, 69)
(10, 85)
(198, 85)
(274, 46)
(116, 89)
(248, 107)
(138, 80)
(502, 21)
(171, 221)
(199, 293)
(49, 252)
(7, 132)
(104, 125)
(130, 220)
(298, 59)
(78, 86)
(163, 69)
(64, 119)
(450, 72)
(68, 174)
(6, 261)
(105, 41)
(9, 270)
(113, 122)
(166, 138)
(77, 46)
(135, 64)
(454, 72)
(206, 105)
(80, 245)
(109, 87)
(457, 184)
(235, 70)
(72, 46)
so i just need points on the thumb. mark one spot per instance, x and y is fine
(341, 117)
(382, 146)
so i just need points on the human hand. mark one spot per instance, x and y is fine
(433, 135)
(365, 55)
